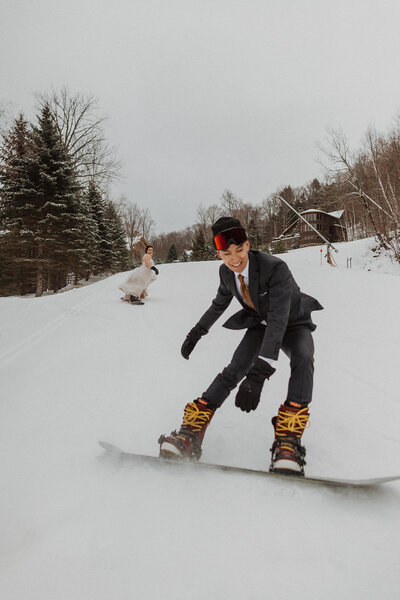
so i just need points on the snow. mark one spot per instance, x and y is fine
(337, 213)
(82, 366)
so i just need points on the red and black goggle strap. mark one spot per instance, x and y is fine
(224, 239)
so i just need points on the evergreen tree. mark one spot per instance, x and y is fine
(97, 208)
(88, 238)
(50, 230)
(279, 247)
(110, 250)
(185, 256)
(17, 215)
(60, 221)
(172, 254)
(117, 254)
(200, 248)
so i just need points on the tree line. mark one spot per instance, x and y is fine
(57, 223)
(365, 183)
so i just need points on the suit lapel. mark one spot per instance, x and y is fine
(231, 284)
(233, 288)
(253, 279)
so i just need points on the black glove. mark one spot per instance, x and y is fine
(191, 340)
(155, 270)
(249, 392)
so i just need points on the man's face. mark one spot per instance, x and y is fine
(235, 257)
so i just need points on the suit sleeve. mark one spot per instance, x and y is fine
(280, 292)
(218, 306)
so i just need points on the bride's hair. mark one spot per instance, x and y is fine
(147, 247)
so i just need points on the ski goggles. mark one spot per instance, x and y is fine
(224, 239)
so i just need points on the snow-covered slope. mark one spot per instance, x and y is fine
(82, 366)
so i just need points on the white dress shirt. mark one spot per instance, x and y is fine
(245, 274)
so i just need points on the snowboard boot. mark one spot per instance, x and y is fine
(287, 453)
(187, 442)
(135, 300)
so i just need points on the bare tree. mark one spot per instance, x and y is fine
(182, 240)
(4, 115)
(367, 175)
(137, 221)
(81, 127)
(131, 217)
(147, 224)
(231, 204)
(379, 156)
(336, 150)
(206, 217)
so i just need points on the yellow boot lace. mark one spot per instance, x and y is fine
(291, 423)
(195, 418)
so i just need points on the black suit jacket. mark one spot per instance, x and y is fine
(275, 295)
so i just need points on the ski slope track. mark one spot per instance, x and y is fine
(36, 337)
(82, 366)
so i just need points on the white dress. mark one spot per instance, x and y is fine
(138, 281)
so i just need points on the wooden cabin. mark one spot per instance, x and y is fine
(299, 234)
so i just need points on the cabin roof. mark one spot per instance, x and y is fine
(336, 214)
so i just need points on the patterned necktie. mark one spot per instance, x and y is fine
(244, 290)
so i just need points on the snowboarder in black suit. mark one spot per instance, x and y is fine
(276, 315)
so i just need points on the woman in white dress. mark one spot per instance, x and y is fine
(135, 287)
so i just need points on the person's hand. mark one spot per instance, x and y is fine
(156, 271)
(249, 392)
(191, 340)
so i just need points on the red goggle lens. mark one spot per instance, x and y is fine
(224, 239)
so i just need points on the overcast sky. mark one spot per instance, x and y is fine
(205, 95)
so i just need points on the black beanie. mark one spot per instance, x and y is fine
(225, 223)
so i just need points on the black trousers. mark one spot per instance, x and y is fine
(297, 344)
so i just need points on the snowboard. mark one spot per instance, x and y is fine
(123, 456)
(133, 303)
